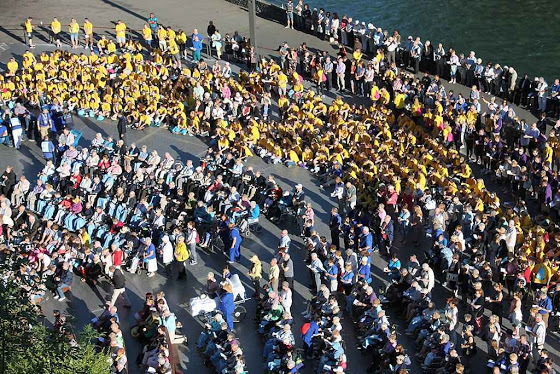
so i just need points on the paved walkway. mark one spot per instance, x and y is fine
(85, 301)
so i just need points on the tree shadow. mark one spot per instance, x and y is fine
(124, 9)
(94, 126)
(11, 33)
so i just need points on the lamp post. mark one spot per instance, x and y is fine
(251, 5)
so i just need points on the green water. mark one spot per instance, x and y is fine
(522, 34)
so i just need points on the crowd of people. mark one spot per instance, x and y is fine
(400, 167)
(535, 94)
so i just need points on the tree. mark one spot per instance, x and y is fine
(28, 347)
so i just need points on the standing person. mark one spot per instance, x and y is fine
(439, 57)
(340, 74)
(197, 47)
(153, 23)
(453, 63)
(181, 38)
(287, 267)
(320, 79)
(47, 147)
(327, 70)
(119, 288)
(74, 29)
(150, 257)
(334, 225)
(181, 256)
(191, 242)
(256, 274)
(289, 15)
(29, 31)
(274, 275)
(538, 332)
(120, 30)
(217, 43)
(147, 34)
(25, 117)
(416, 55)
(162, 38)
(227, 304)
(166, 251)
(235, 240)
(316, 268)
(542, 89)
(88, 34)
(299, 12)
(56, 28)
(210, 30)
(121, 127)
(17, 129)
(285, 241)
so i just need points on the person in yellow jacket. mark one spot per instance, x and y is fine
(74, 30)
(120, 30)
(181, 254)
(175, 54)
(29, 31)
(12, 66)
(56, 27)
(147, 35)
(88, 34)
(181, 38)
(162, 38)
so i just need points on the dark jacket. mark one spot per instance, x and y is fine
(118, 279)
(121, 125)
(66, 276)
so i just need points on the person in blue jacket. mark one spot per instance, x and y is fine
(366, 241)
(364, 270)
(197, 46)
(227, 305)
(309, 334)
(235, 243)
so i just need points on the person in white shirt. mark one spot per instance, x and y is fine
(191, 242)
(286, 297)
(166, 251)
(20, 190)
(511, 237)
(542, 88)
(538, 332)
(316, 267)
(428, 277)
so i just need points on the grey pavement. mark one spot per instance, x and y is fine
(85, 302)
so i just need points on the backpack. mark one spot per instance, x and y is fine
(305, 328)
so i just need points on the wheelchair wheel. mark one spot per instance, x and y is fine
(135, 331)
(256, 228)
(239, 313)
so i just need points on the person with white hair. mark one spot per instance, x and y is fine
(511, 237)
(427, 277)
(316, 268)
(165, 249)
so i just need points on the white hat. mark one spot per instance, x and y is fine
(299, 185)
(363, 23)
(370, 26)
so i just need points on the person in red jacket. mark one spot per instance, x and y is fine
(117, 255)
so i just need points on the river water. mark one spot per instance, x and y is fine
(524, 34)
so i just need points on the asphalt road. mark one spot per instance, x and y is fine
(86, 302)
